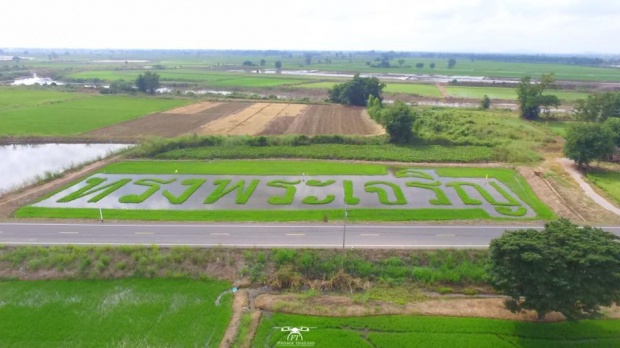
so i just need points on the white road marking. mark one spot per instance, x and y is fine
(270, 245)
(69, 232)
(295, 234)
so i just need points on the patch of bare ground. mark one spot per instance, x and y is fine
(278, 125)
(347, 306)
(192, 108)
(241, 303)
(333, 119)
(169, 124)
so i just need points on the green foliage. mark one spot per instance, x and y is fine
(371, 186)
(441, 199)
(531, 98)
(315, 200)
(148, 82)
(413, 173)
(153, 186)
(608, 182)
(564, 268)
(194, 185)
(398, 120)
(222, 189)
(92, 187)
(485, 103)
(598, 107)
(349, 193)
(356, 91)
(289, 194)
(588, 142)
(613, 124)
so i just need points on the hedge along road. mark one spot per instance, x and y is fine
(257, 235)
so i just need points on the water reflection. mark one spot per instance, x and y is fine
(24, 164)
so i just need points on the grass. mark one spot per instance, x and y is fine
(424, 90)
(76, 115)
(426, 331)
(119, 313)
(244, 167)
(506, 93)
(387, 152)
(608, 182)
(258, 215)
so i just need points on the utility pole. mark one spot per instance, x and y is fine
(344, 226)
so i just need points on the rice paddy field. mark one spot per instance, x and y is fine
(505, 93)
(26, 112)
(262, 201)
(113, 313)
(434, 332)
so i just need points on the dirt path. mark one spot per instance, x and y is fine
(443, 91)
(569, 166)
(346, 306)
(241, 302)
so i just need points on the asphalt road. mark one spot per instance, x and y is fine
(254, 235)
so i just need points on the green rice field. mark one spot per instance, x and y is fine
(434, 332)
(113, 313)
(42, 112)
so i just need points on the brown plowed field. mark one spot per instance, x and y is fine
(246, 118)
(185, 120)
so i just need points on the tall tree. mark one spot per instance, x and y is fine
(613, 124)
(562, 268)
(148, 82)
(589, 142)
(451, 63)
(531, 97)
(278, 64)
(398, 120)
(598, 107)
(356, 91)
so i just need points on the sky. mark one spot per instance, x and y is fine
(500, 26)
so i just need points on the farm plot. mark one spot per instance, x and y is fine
(275, 118)
(182, 120)
(276, 190)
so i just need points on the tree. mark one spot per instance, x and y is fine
(451, 63)
(613, 124)
(356, 91)
(419, 65)
(278, 64)
(308, 58)
(263, 62)
(432, 65)
(485, 103)
(598, 107)
(148, 82)
(398, 120)
(562, 268)
(531, 97)
(588, 142)
(247, 63)
(401, 62)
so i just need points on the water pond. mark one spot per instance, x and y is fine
(21, 165)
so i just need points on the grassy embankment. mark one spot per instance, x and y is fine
(509, 177)
(608, 182)
(113, 313)
(26, 112)
(424, 331)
